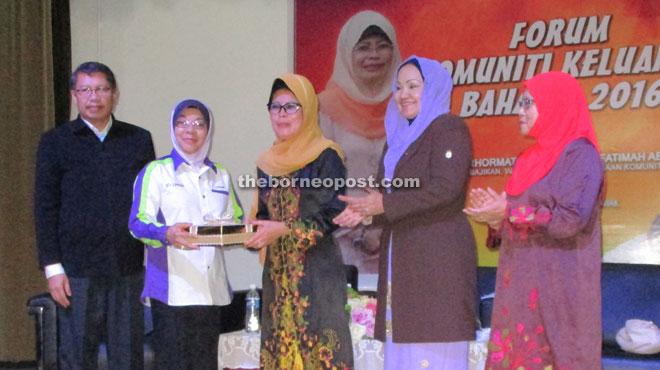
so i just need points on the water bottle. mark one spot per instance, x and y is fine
(252, 310)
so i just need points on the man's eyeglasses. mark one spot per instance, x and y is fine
(99, 90)
(289, 108)
(183, 123)
(525, 103)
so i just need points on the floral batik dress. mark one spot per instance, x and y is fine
(547, 309)
(304, 321)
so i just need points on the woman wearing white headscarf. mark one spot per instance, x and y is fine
(184, 284)
(427, 273)
(352, 110)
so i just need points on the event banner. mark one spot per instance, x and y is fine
(490, 48)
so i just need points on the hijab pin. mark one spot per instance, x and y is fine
(448, 154)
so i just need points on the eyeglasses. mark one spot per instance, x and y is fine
(525, 103)
(99, 90)
(195, 124)
(289, 108)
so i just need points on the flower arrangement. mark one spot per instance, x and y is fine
(362, 314)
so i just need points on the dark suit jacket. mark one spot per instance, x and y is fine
(83, 196)
(434, 293)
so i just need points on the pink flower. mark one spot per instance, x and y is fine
(497, 338)
(497, 356)
(363, 313)
(521, 214)
(533, 297)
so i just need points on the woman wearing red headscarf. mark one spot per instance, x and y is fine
(547, 309)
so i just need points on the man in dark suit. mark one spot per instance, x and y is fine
(84, 177)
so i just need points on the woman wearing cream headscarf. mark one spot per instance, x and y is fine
(352, 111)
(304, 322)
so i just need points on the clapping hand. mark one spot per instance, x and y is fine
(348, 218)
(487, 206)
(359, 209)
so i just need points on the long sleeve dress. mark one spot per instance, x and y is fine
(547, 309)
(304, 321)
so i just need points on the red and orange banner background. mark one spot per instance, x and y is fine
(490, 47)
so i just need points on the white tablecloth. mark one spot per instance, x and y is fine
(240, 350)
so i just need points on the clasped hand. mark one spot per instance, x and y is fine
(359, 209)
(487, 206)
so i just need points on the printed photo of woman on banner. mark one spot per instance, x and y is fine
(490, 48)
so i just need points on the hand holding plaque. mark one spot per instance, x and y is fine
(222, 234)
(269, 232)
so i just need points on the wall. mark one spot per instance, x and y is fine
(225, 53)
